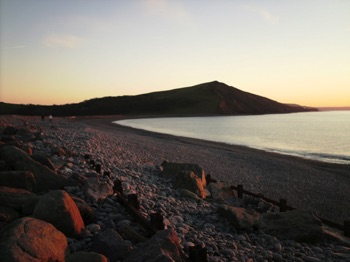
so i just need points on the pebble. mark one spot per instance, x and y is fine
(196, 223)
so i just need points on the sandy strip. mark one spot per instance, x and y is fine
(321, 187)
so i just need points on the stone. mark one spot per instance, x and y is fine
(59, 209)
(8, 215)
(45, 178)
(21, 200)
(30, 239)
(59, 151)
(86, 257)
(18, 179)
(190, 181)
(87, 213)
(171, 169)
(188, 194)
(10, 130)
(240, 218)
(95, 190)
(220, 191)
(44, 160)
(93, 228)
(162, 247)
(298, 225)
(112, 245)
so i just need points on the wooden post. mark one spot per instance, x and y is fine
(157, 221)
(283, 205)
(132, 199)
(118, 186)
(98, 168)
(240, 191)
(198, 254)
(347, 228)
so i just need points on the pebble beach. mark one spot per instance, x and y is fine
(135, 156)
(321, 187)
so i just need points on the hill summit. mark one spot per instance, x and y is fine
(212, 98)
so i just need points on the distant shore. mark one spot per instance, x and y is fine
(306, 184)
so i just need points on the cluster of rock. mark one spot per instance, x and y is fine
(57, 203)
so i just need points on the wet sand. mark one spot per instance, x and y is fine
(306, 184)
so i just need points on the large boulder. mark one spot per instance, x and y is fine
(112, 245)
(190, 181)
(221, 192)
(298, 225)
(95, 190)
(240, 218)
(18, 179)
(26, 135)
(19, 160)
(59, 209)
(86, 211)
(162, 247)
(171, 170)
(44, 160)
(21, 200)
(30, 239)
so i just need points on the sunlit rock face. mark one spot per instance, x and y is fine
(30, 239)
(59, 209)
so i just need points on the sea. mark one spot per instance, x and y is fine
(322, 136)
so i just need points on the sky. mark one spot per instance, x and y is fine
(68, 51)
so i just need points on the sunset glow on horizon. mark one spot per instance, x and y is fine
(59, 52)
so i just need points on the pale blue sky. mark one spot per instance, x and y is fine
(67, 51)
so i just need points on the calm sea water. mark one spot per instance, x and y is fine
(324, 136)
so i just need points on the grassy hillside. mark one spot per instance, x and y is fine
(203, 99)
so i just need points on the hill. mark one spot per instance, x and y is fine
(212, 98)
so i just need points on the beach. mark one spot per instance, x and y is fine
(323, 188)
(78, 145)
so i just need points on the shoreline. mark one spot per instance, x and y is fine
(134, 157)
(306, 184)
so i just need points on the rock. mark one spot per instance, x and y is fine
(10, 130)
(129, 233)
(46, 179)
(21, 200)
(18, 179)
(163, 246)
(220, 191)
(298, 225)
(188, 194)
(239, 217)
(8, 215)
(190, 181)
(112, 245)
(59, 209)
(30, 239)
(59, 151)
(172, 169)
(96, 190)
(25, 135)
(93, 228)
(86, 257)
(86, 212)
(44, 160)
